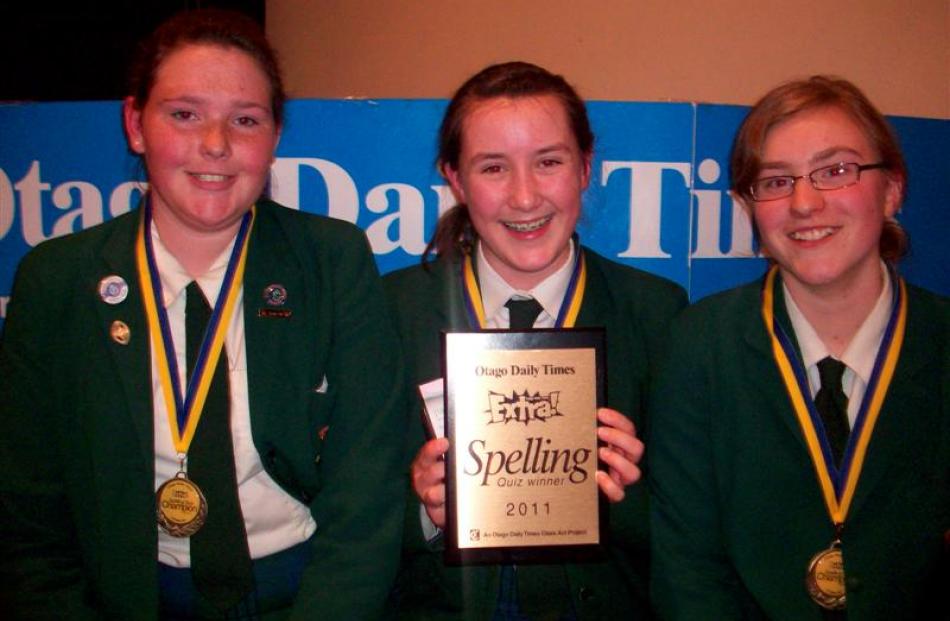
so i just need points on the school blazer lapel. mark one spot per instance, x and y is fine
(452, 314)
(281, 326)
(595, 306)
(130, 363)
(905, 406)
(758, 364)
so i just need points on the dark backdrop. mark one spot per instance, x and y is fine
(80, 50)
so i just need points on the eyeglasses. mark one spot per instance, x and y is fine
(833, 177)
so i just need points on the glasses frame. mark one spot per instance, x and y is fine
(795, 179)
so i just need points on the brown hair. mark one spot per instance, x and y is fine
(205, 26)
(818, 91)
(454, 231)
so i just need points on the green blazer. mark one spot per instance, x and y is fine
(636, 309)
(737, 513)
(77, 491)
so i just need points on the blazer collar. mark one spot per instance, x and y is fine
(131, 362)
(918, 352)
(772, 386)
(594, 308)
(448, 273)
(281, 310)
(756, 335)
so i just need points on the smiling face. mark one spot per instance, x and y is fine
(521, 174)
(824, 240)
(207, 134)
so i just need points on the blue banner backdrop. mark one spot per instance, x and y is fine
(657, 198)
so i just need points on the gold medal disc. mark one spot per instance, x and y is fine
(825, 578)
(181, 507)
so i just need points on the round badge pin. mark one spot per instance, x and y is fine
(275, 295)
(120, 332)
(113, 289)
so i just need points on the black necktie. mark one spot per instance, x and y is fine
(220, 561)
(832, 406)
(522, 313)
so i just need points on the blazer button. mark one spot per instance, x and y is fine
(316, 459)
(852, 584)
(585, 593)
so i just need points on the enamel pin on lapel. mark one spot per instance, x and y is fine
(275, 296)
(113, 289)
(120, 333)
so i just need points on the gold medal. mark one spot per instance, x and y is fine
(825, 578)
(181, 507)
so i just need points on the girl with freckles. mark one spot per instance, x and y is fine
(187, 428)
(799, 459)
(515, 146)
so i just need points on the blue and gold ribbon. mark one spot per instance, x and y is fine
(184, 408)
(570, 305)
(837, 485)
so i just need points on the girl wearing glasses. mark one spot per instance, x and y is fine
(805, 474)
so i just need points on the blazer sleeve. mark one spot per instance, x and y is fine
(691, 575)
(359, 508)
(41, 570)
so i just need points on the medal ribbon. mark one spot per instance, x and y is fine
(837, 486)
(184, 409)
(570, 306)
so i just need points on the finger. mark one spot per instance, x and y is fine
(613, 418)
(433, 450)
(427, 468)
(622, 442)
(609, 487)
(437, 515)
(428, 474)
(431, 494)
(430, 453)
(434, 496)
(434, 502)
(621, 469)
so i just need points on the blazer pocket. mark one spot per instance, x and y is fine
(297, 466)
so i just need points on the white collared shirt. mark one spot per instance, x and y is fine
(274, 520)
(496, 292)
(858, 357)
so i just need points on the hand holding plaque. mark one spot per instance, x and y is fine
(621, 454)
(428, 479)
(521, 420)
